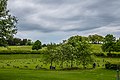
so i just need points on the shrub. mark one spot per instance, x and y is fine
(19, 52)
(37, 45)
(99, 54)
(114, 66)
(113, 55)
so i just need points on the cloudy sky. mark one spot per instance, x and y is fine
(56, 20)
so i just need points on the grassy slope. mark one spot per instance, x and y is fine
(98, 74)
(96, 48)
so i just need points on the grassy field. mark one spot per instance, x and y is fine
(30, 61)
(97, 74)
(17, 48)
(96, 48)
(23, 67)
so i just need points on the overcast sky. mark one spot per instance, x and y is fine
(56, 20)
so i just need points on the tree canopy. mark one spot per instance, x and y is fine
(109, 43)
(37, 45)
(7, 23)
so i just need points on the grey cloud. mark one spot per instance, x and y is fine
(66, 15)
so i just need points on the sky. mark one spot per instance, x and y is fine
(57, 20)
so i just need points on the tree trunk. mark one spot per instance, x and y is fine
(71, 63)
(51, 62)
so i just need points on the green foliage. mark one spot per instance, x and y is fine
(109, 43)
(51, 54)
(75, 50)
(84, 53)
(109, 38)
(37, 45)
(113, 55)
(117, 46)
(81, 50)
(7, 23)
(95, 39)
(113, 66)
(19, 52)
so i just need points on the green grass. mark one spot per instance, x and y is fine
(96, 48)
(32, 60)
(17, 48)
(8, 72)
(19, 56)
(97, 74)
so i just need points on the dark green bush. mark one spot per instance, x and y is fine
(99, 54)
(37, 45)
(113, 55)
(19, 52)
(113, 66)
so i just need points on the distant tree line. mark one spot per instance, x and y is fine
(18, 42)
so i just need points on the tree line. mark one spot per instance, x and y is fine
(18, 42)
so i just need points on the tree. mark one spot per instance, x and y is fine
(17, 41)
(51, 54)
(96, 39)
(84, 53)
(81, 50)
(29, 42)
(24, 42)
(117, 45)
(37, 45)
(7, 23)
(109, 43)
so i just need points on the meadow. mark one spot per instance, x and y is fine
(31, 67)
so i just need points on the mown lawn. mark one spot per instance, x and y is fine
(97, 74)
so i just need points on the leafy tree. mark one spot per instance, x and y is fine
(62, 54)
(84, 53)
(74, 39)
(95, 39)
(80, 50)
(7, 23)
(17, 41)
(51, 54)
(29, 42)
(109, 38)
(24, 42)
(117, 45)
(109, 43)
(37, 45)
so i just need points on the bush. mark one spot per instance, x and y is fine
(113, 55)
(99, 54)
(19, 52)
(37, 45)
(112, 66)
